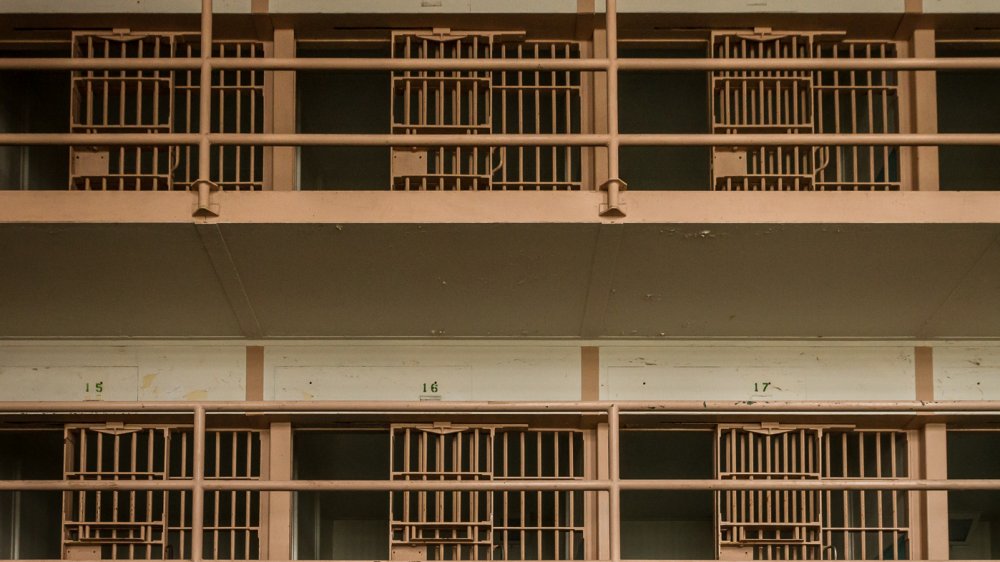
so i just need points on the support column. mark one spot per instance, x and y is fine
(933, 464)
(926, 173)
(279, 520)
(923, 358)
(603, 507)
(283, 113)
(590, 373)
(255, 373)
(599, 101)
(936, 503)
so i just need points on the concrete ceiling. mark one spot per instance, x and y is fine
(499, 280)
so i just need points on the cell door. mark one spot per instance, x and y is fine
(485, 525)
(769, 524)
(482, 102)
(442, 525)
(811, 524)
(122, 101)
(802, 102)
(441, 102)
(154, 524)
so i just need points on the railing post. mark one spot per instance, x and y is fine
(614, 502)
(205, 208)
(613, 207)
(923, 97)
(197, 486)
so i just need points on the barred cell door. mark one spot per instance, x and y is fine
(163, 101)
(802, 102)
(483, 102)
(157, 525)
(485, 525)
(441, 102)
(769, 524)
(811, 524)
(122, 101)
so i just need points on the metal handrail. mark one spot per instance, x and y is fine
(613, 485)
(581, 64)
(490, 139)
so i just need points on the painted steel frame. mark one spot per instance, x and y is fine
(610, 64)
(609, 482)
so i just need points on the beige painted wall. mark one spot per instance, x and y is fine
(124, 372)
(400, 372)
(493, 371)
(967, 373)
(757, 372)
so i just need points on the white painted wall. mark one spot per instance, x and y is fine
(138, 372)
(121, 6)
(739, 372)
(961, 6)
(400, 372)
(493, 371)
(967, 373)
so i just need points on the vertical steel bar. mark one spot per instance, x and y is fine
(536, 84)
(861, 493)
(183, 509)
(232, 493)
(895, 518)
(614, 502)
(248, 519)
(878, 494)
(217, 498)
(568, 128)
(198, 454)
(827, 474)
(886, 177)
(524, 463)
(538, 455)
(611, 23)
(520, 124)
(555, 464)
(204, 124)
(553, 174)
(221, 175)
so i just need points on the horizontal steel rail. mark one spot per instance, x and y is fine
(584, 64)
(367, 560)
(679, 139)
(527, 485)
(568, 406)
(613, 485)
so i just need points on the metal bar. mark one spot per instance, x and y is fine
(614, 465)
(197, 483)
(390, 406)
(611, 23)
(205, 111)
(767, 139)
(781, 140)
(97, 139)
(581, 64)
(528, 485)
(533, 560)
